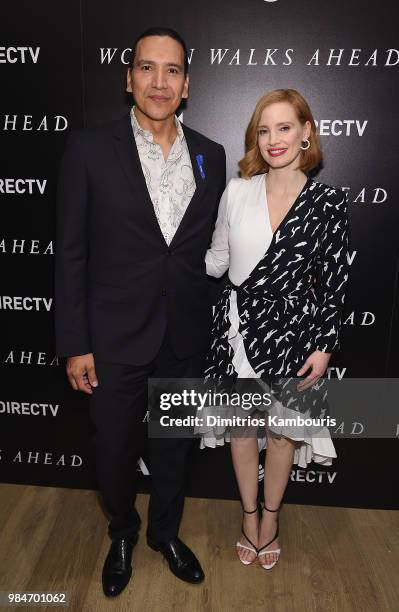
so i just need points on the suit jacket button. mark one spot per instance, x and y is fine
(163, 292)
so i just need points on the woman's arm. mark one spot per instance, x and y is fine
(217, 256)
(332, 273)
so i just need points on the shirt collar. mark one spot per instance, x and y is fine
(146, 134)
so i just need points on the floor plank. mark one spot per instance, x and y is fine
(332, 560)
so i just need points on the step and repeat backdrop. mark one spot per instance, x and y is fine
(63, 66)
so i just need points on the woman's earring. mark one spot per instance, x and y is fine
(308, 144)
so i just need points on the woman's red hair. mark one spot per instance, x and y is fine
(253, 163)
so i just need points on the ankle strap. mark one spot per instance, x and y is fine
(269, 510)
(250, 512)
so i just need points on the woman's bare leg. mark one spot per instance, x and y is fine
(245, 455)
(278, 463)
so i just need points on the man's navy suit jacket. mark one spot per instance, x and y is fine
(118, 285)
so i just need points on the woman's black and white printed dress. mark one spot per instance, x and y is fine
(285, 293)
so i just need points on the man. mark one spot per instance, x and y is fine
(136, 207)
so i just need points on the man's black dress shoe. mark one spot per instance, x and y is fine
(182, 561)
(117, 568)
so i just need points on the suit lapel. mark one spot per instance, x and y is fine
(201, 182)
(127, 154)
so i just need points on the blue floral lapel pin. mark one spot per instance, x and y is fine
(200, 164)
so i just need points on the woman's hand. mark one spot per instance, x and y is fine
(318, 362)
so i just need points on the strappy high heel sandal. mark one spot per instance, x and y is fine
(268, 566)
(239, 545)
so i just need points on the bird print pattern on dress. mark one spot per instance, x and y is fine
(291, 303)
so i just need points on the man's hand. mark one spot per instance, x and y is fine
(318, 361)
(81, 373)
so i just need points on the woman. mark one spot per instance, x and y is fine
(284, 239)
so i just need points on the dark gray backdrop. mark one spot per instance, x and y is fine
(79, 77)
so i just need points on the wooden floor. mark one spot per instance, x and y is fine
(333, 559)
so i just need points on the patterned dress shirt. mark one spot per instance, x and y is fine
(170, 183)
